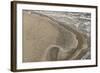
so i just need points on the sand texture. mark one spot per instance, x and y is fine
(46, 38)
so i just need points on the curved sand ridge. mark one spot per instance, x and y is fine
(46, 39)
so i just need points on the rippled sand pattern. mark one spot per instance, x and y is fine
(55, 36)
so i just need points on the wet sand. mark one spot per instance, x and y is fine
(40, 32)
